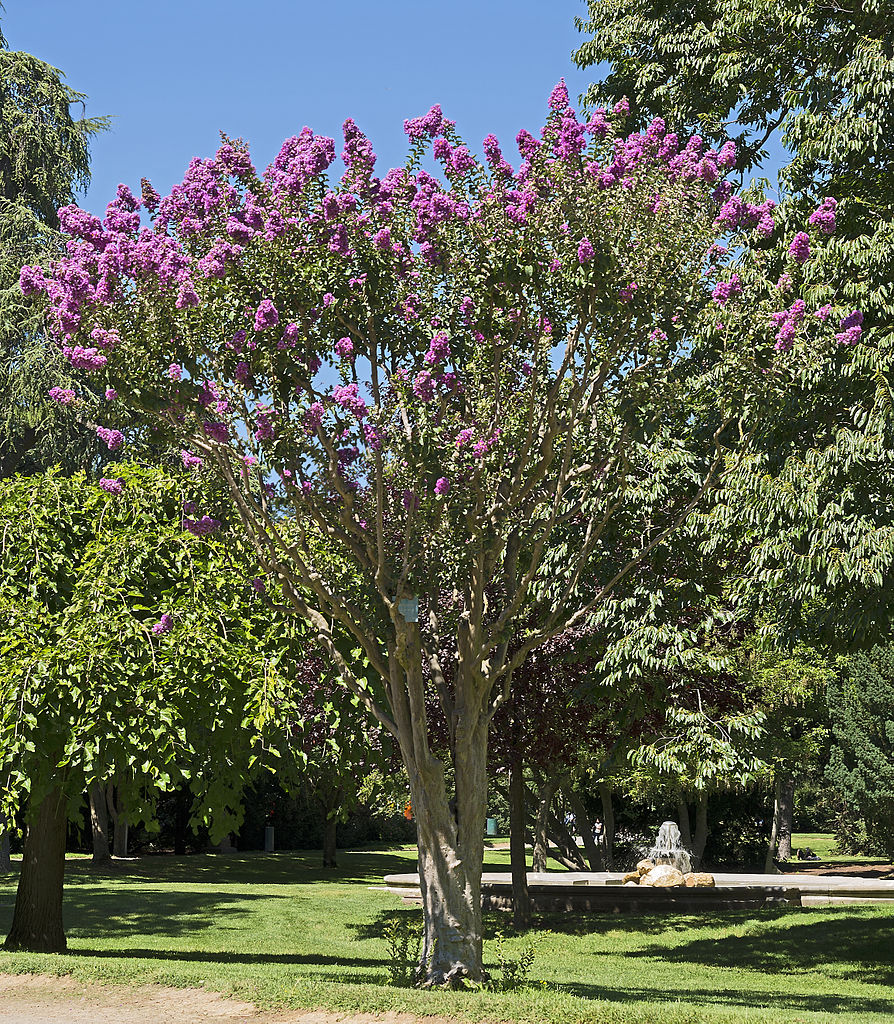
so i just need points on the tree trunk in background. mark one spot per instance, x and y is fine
(685, 829)
(544, 802)
(566, 852)
(99, 819)
(181, 820)
(608, 825)
(329, 841)
(5, 862)
(521, 903)
(37, 918)
(585, 830)
(786, 803)
(770, 861)
(119, 842)
(701, 829)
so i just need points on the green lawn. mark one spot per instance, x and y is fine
(280, 931)
(824, 846)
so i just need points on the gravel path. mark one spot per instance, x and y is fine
(46, 999)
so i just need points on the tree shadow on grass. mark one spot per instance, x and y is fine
(830, 1003)
(227, 957)
(843, 944)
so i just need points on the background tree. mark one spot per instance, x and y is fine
(128, 656)
(527, 360)
(44, 163)
(861, 763)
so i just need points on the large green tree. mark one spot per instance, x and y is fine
(816, 77)
(44, 163)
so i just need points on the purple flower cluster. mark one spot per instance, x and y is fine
(175, 372)
(430, 125)
(628, 291)
(84, 358)
(113, 438)
(266, 315)
(484, 445)
(824, 216)
(64, 396)
(438, 349)
(799, 249)
(264, 430)
(111, 394)
(191, 461)
(300, 158)
(164, 625)
(585, 251)
(442, 486)
(214, 262)
(787, 322)
(201, 527)
(347, 396)
(851, 328)
(216, 430)
(736, 213)
(424, 386)
(313, 417)
(344, 348)
(112, 485)
(726, 290)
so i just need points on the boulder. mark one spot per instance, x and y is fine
(631, 876)
(699, 879)
(662, 877)
(645, 865)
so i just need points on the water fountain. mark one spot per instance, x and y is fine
(669, 848)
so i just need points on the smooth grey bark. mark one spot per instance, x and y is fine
(545, 798)
(521, 901)
(585, 830)
(701, 829)
(99, 820)
(37, 918)
(683, 820)
(5, 861)
(608, 825)
(786, 816)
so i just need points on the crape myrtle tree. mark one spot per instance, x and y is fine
(456, 384)
(133, 650)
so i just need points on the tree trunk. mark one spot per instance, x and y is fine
(521, 902)
(701, 829)
(585, 829)
(786, 816)
(329, 846)
(566, 852)
(37, 918)
(541, 825)
(685, 828)
(608, 825)
(116, 810)
(99, 819)
(5, 861)
(181, 820)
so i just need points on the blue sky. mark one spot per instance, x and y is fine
(173, 74)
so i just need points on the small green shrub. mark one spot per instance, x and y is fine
(404, 937)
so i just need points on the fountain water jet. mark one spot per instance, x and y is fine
(669, 849)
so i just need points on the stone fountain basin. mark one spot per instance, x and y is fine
(603, 891)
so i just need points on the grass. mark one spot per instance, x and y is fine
(280, 931)
(825, 847)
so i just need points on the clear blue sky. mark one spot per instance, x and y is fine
(173, 74)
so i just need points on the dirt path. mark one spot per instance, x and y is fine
(46, 999)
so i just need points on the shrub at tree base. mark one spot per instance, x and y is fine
(496, 392)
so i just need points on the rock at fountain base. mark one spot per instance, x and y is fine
(631, 876)
(644, 865)
(663, 876)
(699, 880)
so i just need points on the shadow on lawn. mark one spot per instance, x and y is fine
(287, 868)
(228, 957)
(843, 944)
(831, 1003)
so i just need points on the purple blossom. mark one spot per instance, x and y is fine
(31, 279)
(438, 349)
(113, 438)
(84, 358)
(442, 486)
(851, 328)
(558, 98)
(628, 291)
(424, 386)
(64, 396)
(266, 315)
(191, 461)
(175, 371)
(164, 625)
(824, 216)
(313, 417)
(258, 585)
(382, 239)
(216, 430)
(373, 436)
(409, 500)
(622, 107)
(585, 251)
(201, 527)
(823, 313)
(111, 394)
(464, 436)
(787, 322)
(112, 485)
(344, 348)
(348, 397)
(799, 249)
(726, 290)
(430, 125)
(242, 371)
